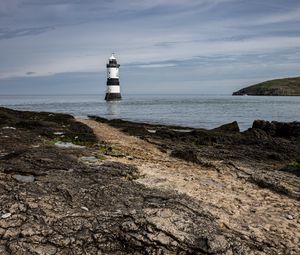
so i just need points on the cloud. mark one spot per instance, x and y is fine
(156, 65)
(7, 34)
(285, 17)
(30, 73)
(7, 7)
(201, 37)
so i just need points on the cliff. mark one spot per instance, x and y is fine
(278, 87)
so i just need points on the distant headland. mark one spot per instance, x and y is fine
(278, 87)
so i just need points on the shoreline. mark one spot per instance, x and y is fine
(96, 185)
(197, 111)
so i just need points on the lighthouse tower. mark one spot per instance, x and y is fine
(113, 84)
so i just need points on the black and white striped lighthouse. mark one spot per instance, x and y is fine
(113, 83)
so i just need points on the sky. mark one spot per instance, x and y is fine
(163, 46)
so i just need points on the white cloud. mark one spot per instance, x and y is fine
(7, 7)
(85, 47)
(156, 65)
(78, 36)
(285, 16)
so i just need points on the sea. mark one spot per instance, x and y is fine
(198, 111)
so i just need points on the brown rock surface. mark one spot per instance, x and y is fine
(124, 195)
(240, 178)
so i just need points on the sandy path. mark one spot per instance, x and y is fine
(238, 205)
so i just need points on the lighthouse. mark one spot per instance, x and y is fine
(113, 83)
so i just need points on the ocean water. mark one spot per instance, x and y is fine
(200, 111)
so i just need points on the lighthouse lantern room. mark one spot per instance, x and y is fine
(113, 83)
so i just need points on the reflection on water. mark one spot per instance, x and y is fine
(113, 108)
(200, 111)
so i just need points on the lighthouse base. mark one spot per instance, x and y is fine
(113, 96)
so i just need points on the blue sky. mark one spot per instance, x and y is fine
(163, 46)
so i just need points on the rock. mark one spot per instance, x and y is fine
(12, 128)
(91, 159)
(45, 124)
(293, 168)
(5, 215)
(230, 127)
(24, 178)
(38, 161)
(289, 217)
(44, 249)
(152, 131)
(58, 133)
(11, 233)
(66, 145)
(188, 155)
(119, 169)
(3, 250)
(76, 208)
(114, 152)
(218, 244)
(278, 129)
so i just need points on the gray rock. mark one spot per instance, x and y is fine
(230, 127)
(5, 215)
(58, 133)
(12, 128)
(24, 178)
(66, 145)
(91, 159)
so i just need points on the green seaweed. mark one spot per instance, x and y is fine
(68, 139)
(295, 164)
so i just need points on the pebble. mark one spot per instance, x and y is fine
(84, 208)
(13, 128)
(24, 178)
(289, 217)
(67, 145)
(91, 159)
(58, 133)
(5, 215)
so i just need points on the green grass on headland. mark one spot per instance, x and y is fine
(278, 87)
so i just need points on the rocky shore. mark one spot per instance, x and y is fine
(98, 186)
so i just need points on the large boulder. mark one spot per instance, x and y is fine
(229, 127)
(278, 129)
